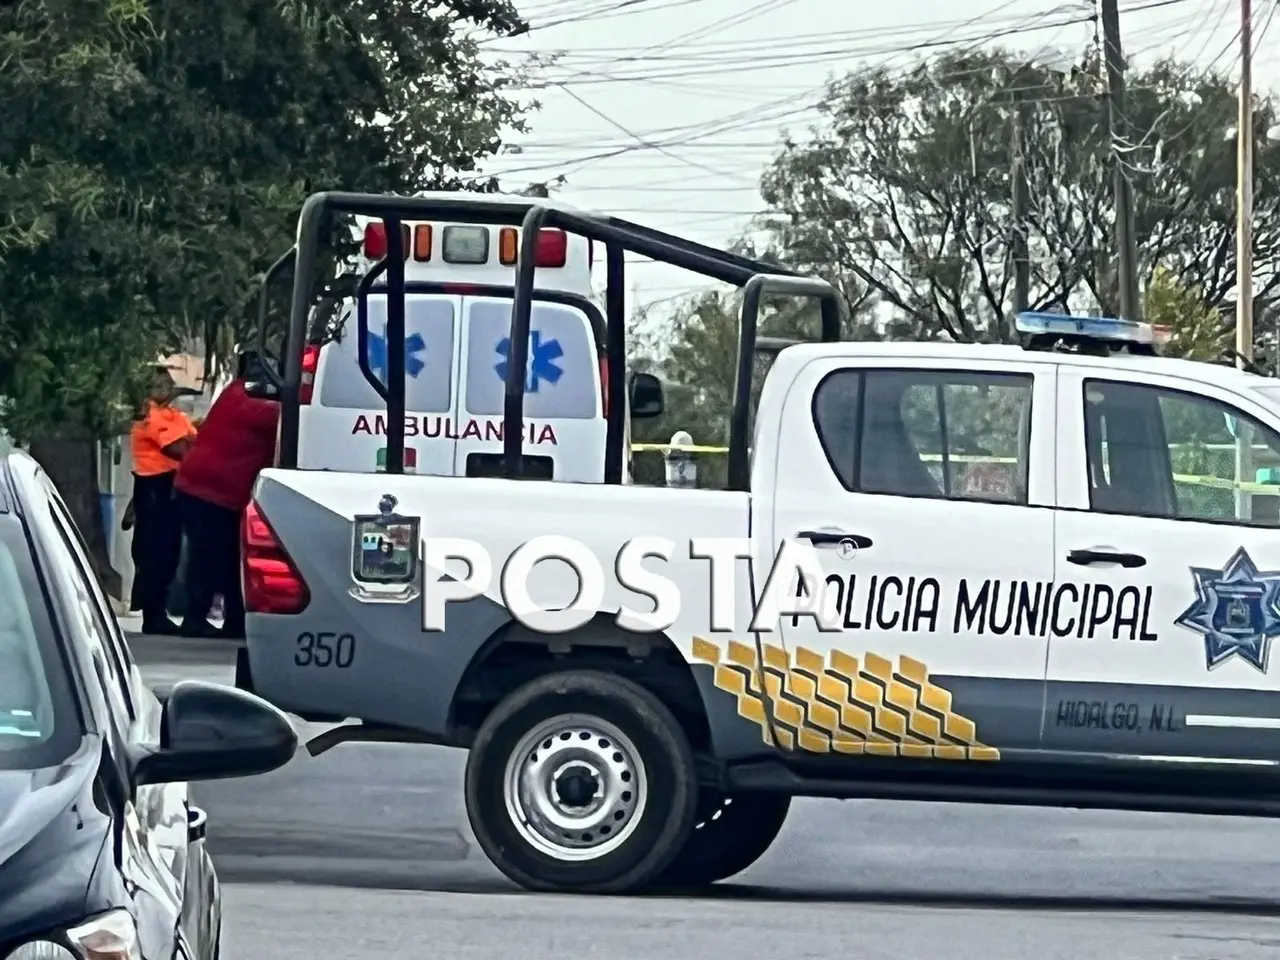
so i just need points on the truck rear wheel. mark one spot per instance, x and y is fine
(581, 781)
(730, 835)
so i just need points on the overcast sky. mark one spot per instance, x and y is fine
(667, 111)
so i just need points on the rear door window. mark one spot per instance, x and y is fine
(563, 370)
(429, 333)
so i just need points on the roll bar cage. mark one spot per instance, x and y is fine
(756, 279)
(283, 263)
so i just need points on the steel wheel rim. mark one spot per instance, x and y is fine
(575, 787)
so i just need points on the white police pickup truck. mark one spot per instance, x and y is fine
(1050, 575)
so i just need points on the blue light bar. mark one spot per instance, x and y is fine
(1092, 328)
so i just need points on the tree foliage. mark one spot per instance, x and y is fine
(905, 185)
(1197, 331)
(154, 155)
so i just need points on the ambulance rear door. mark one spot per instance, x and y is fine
(564, 430)
(345, 427)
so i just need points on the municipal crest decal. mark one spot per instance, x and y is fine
(384, 555)
(1236, 611)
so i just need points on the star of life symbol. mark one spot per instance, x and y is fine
(414, 347)
(1236, 610)
(543, 355)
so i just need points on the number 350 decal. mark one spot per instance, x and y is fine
(325, 650)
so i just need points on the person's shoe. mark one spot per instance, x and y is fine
(160, 626)
(201, 630)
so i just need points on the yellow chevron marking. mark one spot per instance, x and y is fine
(842, 704)
(735, 681)
(742, 655)
(705, 650)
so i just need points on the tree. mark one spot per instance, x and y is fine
(153, 157)
(905, 185)
(1197, 331)
(695, 350)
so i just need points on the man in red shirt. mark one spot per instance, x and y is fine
(214, 484)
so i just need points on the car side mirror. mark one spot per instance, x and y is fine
(262, 389)
(645, 393)
(211, 732)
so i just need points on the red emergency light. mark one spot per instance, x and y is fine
(375, 239)
(552, 249)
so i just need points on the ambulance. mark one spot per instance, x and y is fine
(459, 284)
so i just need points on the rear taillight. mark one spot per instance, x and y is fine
(604, 386)
(310, 360)
(272, 584)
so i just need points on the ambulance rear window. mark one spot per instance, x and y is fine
(429, 326)
(564, 370)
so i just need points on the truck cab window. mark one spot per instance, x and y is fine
(947, 433)
(836, 404)
(1155, 452)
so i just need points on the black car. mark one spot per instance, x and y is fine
(101, 850)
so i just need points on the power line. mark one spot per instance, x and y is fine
(594, 10)
(796, 105)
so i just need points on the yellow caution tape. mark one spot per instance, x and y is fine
(1218, 483)
(1214, 483)
(683, 448)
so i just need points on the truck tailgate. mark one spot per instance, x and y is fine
(502, 515)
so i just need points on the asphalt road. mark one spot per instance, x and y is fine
(894, 878)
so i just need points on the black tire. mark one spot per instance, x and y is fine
(731, 834)
(663, 754)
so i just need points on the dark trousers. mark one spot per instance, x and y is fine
(213, 562)
(157, 544)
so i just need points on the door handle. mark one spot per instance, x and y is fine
(1087, 558)
(826, 538)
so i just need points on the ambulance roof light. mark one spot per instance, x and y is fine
(1047, 330)
(553, 248)
(375, 239)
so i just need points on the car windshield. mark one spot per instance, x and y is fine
(38, 722)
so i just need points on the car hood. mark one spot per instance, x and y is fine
(51, 835)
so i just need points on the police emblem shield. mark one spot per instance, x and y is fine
(1236, 610)
(384, 555)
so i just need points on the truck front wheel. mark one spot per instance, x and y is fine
(581, 781)
(730, 835)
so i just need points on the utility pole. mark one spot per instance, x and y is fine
(1126, 242)
(1244, 247)
(1018, 242)
(1244, 190)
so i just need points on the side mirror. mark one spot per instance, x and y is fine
(645, 393)
(262, 389)
(210, 732)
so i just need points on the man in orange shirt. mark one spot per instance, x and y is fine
(159, 440)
